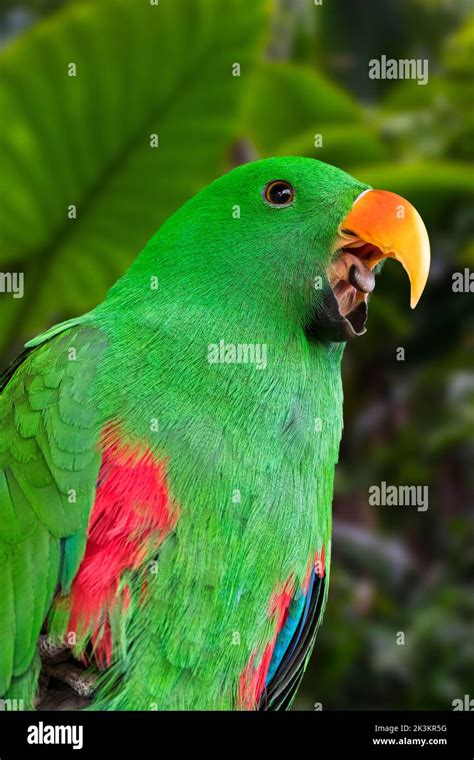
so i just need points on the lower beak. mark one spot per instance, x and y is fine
(379, 225)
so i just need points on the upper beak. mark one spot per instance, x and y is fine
(394, 226)
(379, 225)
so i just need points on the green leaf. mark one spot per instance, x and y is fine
(287, 101)
(84, 140)
(459, 49)
(340, 143)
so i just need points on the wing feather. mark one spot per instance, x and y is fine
(282, 687)
(49, 463)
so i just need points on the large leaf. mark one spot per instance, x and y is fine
(289, 105)
(85, 140)
(287, 100)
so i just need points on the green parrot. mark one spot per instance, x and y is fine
(167, 459)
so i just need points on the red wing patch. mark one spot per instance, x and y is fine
(131, 517)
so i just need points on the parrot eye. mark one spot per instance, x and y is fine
(279, 193)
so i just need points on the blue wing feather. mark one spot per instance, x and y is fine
(287, 640)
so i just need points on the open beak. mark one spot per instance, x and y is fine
(379, 225)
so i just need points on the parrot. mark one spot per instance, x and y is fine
(167, 459)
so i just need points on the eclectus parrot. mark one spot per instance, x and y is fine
(165, 493)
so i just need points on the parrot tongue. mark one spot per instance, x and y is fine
(351, 280)
(344, 312)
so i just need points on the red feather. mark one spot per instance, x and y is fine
(131, 517)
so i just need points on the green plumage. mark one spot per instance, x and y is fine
(249, 452)
(46, 491)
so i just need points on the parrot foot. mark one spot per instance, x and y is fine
(80, 681)
(63, 684)
(52, 651)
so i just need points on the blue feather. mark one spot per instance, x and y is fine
(297, 614)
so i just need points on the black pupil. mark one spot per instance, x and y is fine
(280, 193)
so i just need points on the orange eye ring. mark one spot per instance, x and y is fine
(279, 193)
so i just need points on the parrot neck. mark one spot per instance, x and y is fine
(188, 276)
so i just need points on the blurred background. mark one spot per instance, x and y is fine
(83, 190)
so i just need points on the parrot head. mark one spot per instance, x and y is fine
(298, 237)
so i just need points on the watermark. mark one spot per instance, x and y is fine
(238, 353)
(45, 734)
(11, 705)
(403, 68)
(12, 282)
(463, 282)
(466, 703)
(399, 496)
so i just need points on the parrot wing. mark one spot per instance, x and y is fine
(49, 462)
(293, 648)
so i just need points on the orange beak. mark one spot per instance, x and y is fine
(394, 227)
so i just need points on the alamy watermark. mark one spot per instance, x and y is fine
(11, 705)
(12, 282)
(464, 703)
(238, 353)
(42, 733)
(403, 68)
(463, 282)
(399, 496)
